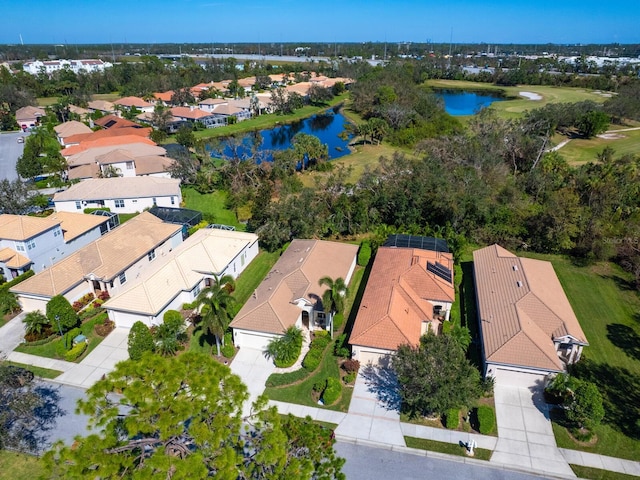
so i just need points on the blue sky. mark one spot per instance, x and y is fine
(275, 21)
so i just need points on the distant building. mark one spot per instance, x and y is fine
(76, 66)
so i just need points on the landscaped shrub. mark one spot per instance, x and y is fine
(189, 306)
(312, 359)
(60, 312)
(36, 324)
(338, 320)
(332, 392)
(104, 328)
(285, 350)
(104, 295)
(68, 337)
(341, 349)
(82, 302)
(349, 378)
(452, 418)
(351, 366)
(8, 303)
(140, 341)
(77, 350)
(7, 285)
(320, 341)
(486, 419)
(90, 312)
(364, 254)
(228, 350)
(319, 386)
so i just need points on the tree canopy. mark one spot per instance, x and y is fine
(182, 419)
(435, 375)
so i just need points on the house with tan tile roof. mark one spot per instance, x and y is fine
(109, 141)
(526, 321)
(108, 263)
(108, 133)
(69, 129)
(29, 117)
(290, 294)
(101, 106)
(179, 276)
(120, 194)
(113, 121)
(134, 102)
(35, 243)
(410, 291)
(83, 113)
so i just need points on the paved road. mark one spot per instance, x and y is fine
(12, 334)
(10, 150)
(367, 463)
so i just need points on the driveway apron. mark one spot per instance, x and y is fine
(253, 368)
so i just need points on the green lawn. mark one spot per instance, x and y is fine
(212, 206)
(37, 371)
(608, 308)
(597, 474)
(449, 448)
(19, 466)
(579, 151)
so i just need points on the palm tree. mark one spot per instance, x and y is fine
(35, 322)
(215, 304)
(333, 297)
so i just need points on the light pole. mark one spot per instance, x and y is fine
(58, 322)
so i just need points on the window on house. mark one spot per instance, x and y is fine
(31, 245)
(119, 203)
(151, 255)
(173, 200)
(19, 247)
(196, 291)
(123, 278)
(78, 205)
(129, 165)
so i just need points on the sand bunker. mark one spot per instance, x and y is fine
(531, 95)
(610, 136)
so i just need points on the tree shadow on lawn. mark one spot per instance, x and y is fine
(625, 338)
(382, 381)
(34, 433)
(620, 391)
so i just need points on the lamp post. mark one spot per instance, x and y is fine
(58, 322)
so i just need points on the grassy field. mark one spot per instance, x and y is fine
(608, 308)
(19, 466)
(515, 108)
(449, 448)
(212, 206)
(579, 151)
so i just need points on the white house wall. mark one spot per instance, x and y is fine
(131, 205)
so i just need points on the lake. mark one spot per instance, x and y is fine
(326, 126)
(459, 102)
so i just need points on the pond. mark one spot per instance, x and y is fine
(327, 126)
(460, 102)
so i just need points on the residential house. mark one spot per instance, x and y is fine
(129, 103)
(410, 292)
(193, 114)
(106, 264)
(101, 106)
(120, 194)
(29, 117)
(92, 136)
(178, 277)
(35, 243)
(82, 113)
(163, 98)
(290, 294)
(110, 141)
(208, 104)
(527, 324)
(69, 129)
(113, 121)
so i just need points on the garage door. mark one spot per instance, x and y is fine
(252, 339)
(511, 378)
(375, 358)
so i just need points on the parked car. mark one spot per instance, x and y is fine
(20, 139)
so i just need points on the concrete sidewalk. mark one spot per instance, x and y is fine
(602, 462)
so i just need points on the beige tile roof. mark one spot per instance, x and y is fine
(301, 88)
(522, 308)
(13, 259)
(75, 224)
(81, 172)
(106, 258)
(29, 112)
(399, 296)
(295, 275)
(78, 110)
(101, 105)
(134, 149)
(118, 155)
(226, 110)
(188, 112)
(24, 227)
(213, 101)
(132, 102)
(149, 164)
(72, 127)
(208, 251)
(119, 187)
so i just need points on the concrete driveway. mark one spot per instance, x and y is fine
(99, 362)
(12, 334)
(525, 436)
(374, 411)
(10, 150)
(253, 368)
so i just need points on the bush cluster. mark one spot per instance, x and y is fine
(104, 328)
(452, 418)
(314, 356)
(338, 320)
(75, 352)
(228, 350)
(82, 302)
(332, 392)
(349, 378)
(341, 349)
(319, 386)
(486, 419)
(351, 366)
(364, 254)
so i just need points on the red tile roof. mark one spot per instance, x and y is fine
(113, 121)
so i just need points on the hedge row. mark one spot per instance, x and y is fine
(77, 350)
(332, 392)
(486, 419)
(314, 356)
(452, 418)
(7, 285)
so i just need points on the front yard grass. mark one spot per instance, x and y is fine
(212, 205)
(37, 371)
(20, 466)
(449, 448)
(597, 474)
(50, 349)
(607, 305)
